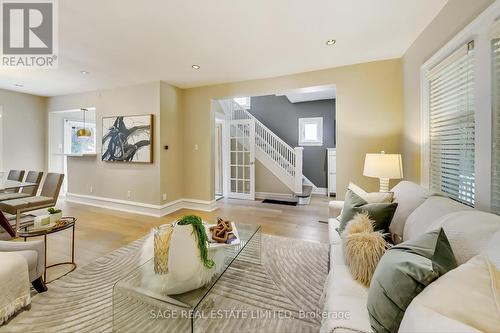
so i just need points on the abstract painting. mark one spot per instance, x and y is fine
(127, 139)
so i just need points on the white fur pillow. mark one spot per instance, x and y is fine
(363, 248)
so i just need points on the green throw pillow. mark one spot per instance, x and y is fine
(381, 213)
(402, 273)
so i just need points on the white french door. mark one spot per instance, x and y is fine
(241, 159)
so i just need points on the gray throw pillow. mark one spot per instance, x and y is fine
(380, 213)
(402, 273)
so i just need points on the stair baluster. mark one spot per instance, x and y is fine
(287, 160)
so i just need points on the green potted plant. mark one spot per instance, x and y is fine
(55, 214)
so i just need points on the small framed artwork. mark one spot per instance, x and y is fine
(127, 139)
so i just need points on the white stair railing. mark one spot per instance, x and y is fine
(288, 159)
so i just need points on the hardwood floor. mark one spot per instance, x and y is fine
(100, 231)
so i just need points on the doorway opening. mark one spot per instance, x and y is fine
(277, 146)
(65, 142)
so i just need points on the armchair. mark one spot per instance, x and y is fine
(34, 253)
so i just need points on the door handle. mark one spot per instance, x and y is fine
(251, 163)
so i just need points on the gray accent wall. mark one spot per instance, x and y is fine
(282, 117)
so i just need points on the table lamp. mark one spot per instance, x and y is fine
(385, 167)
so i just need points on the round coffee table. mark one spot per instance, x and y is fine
(29, 231)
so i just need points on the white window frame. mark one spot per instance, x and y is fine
(479, 31)
(318, 121)
(68, 124)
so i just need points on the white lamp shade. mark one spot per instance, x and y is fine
(383, 166)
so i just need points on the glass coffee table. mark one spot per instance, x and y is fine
(140, 304)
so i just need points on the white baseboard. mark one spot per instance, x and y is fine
(320, 190)
(267, 195)
(139, 207)
(203, 205)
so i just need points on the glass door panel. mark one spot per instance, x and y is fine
(241, 159)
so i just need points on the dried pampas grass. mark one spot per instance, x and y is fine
(363, 248)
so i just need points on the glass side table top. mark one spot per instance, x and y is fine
(30, 230)
(143, 286)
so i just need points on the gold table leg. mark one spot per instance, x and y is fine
(63, 263)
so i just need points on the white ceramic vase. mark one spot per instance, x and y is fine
(186, 270)
(41, 221)
(55, 217)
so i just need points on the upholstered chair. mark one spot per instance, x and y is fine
(48, 198)
(34, 253)
(28, 191)
(14, 175)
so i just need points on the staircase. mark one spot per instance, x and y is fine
(275, 154)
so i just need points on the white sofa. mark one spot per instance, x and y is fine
(418, 211)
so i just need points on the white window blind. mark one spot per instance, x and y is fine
(451, 126)
(495, 169)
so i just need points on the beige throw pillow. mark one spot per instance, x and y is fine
(363, 248)
(372, 197)
(468, 231)
(469, 294)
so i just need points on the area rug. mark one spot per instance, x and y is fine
(282, 294)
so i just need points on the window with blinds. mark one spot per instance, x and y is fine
(495, 168)
(451, 126)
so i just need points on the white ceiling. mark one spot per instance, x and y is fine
(123, 42)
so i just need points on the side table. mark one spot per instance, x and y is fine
(29, 231)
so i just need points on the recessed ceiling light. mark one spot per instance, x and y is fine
(195, 67)
(19, 85)
(84, 72)
(330, 42)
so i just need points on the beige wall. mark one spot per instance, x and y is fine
(369, 119)
(453, 17)
(114, 180)
(24, 131)
(267, 182)
(371, 116)
(171, 127)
